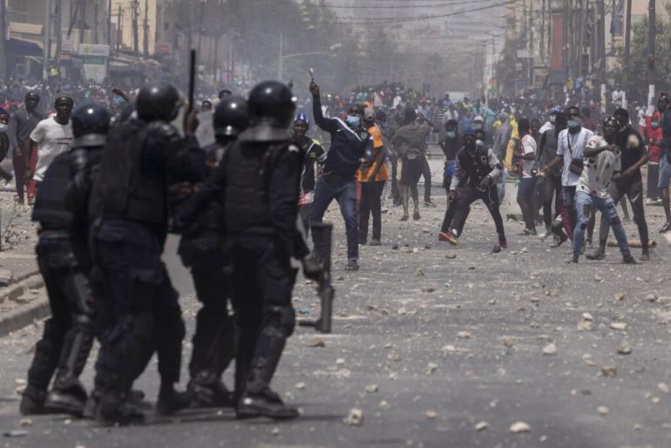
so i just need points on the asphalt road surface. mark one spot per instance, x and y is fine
(436, 346)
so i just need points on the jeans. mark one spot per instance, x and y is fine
(585, 205)
(332, 186)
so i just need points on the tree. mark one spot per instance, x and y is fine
(636, 78)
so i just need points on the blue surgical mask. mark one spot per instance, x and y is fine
(654, 124)
(573, 124)
(353, 121)
(479, 142)
(451, 134)
(3, 127)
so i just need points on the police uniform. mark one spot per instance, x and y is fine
(141, 158)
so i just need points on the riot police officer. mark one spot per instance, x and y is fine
(142, 156)
(259, 183)
(64, 263)
(202, 249)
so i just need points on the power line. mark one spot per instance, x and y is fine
(405, 6)
(383, 20)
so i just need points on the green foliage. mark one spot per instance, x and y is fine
(636, 78)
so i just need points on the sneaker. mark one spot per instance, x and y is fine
(449, 237)
(572, 261)
(170, 403)
(597, 255)
(416, 216)
(629, 260)
(375, 242)
(428, 203)
(528, 232)
(645, 256)
(502, 244)
(404, 218)
(352, 265)
(560, 239)
(665, 228)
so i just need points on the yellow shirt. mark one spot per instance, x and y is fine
(378, 145)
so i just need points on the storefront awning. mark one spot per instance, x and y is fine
(21, 47)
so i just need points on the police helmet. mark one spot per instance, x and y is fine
(231, 117)
(271, 112)
(158, 101)
(90, 125)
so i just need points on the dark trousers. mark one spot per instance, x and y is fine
(371, 195)
(426, 173)
(653, 179)
(470, 194)
(633, 189)
(343, 189)
(263, 280)
(214, 338)
(144, 314)
(552, 189)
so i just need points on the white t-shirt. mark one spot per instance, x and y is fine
(52, 140)
(598, 170)
(528, 146)
(578, 143)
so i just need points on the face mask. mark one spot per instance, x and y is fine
(353, 121)
(654, 124)
(451, 134)
(469, 144)
(479, 142)
(3, 127)
(477, 126)
(573, 124)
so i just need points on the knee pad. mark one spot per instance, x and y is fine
(283, 318)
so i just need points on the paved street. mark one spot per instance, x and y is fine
(437, 346)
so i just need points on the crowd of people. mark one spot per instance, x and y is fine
(108, 185)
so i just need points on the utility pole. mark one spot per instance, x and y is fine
(146, 29)
(119, 23)
(280, 71)
(627, 44)
(59, 35)
(82, 22)
(109, 24)
(3, 56)
(136, 33)
(47, 43)
(95, 22)
(652, 32)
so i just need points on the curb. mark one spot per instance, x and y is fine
(26, 314)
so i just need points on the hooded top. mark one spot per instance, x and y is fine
(410, 139)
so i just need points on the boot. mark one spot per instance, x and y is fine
(171, 401)
(258, 400)
(68, 394)
(265, 404)
(599, 254)
(207, 390)
(114, 406)
(39, 375)
(405, 197)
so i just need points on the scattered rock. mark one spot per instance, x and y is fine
(518, 427)
(26, 422)
(276, 432)
(603, 410)
(300, 386)
(372, 388)
(384, 405)
(340, 361)
(609, 371)
(428, 290)
(663, 387)
(598, 278)
(419, 273)
(588, 317)
(318, 343)
(482, 425)
(618, 325)
(431, 415)
(6, 277)
(431, 367)
(619, 296)
(464, 335)
(651, 297)
(550, 349)
(354, 418)
(586, 325)
(624, 348)
(451, 255)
